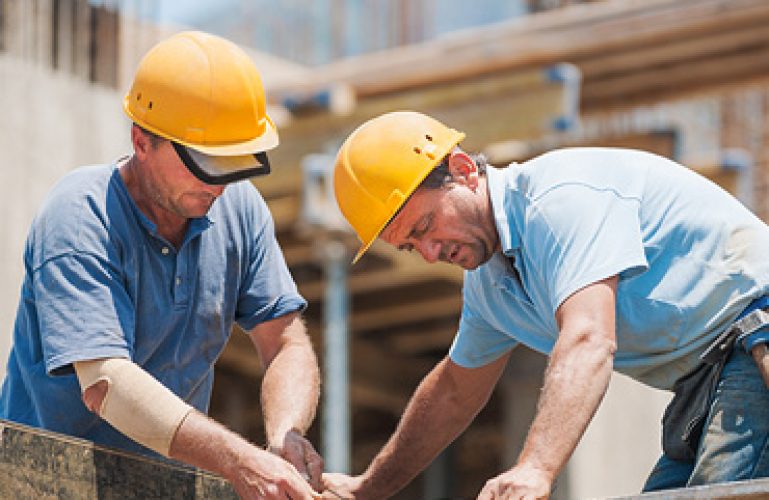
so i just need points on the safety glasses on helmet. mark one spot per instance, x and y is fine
(222, 169)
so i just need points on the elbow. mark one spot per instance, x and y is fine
(606, 346)
(595, 341)
(93, 396)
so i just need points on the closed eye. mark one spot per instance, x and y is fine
(422, 227)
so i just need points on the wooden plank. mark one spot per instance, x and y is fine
(738, 490)
(40, 464)
(376, 398)
(671, 51)
(528, 114)
(676, 80)
(542, 39)
(392, 315)
(390, 279)
(423, 341)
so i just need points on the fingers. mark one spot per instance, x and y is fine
(273, 478)
(297, 488)
(298, 451)
(314, 466)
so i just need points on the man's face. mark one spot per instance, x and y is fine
(452, 224)
(173, 187)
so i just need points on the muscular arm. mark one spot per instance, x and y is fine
(443, 405)
(575, 382)
(290, 390)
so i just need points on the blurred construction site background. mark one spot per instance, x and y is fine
(688, 79)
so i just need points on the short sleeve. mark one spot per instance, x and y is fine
(478, 343)
(83, 310)
(268, 291)
(577, 235)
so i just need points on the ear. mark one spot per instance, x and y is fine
(463, 169)
(140, 141)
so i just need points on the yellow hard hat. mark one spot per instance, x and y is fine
(204, 94)
(382, 163)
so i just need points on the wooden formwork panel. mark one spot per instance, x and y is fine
(45, 465)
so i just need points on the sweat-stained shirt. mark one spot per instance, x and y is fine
(690, 257)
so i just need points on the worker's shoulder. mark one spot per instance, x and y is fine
(78, 204)
(592, 154)
(83, 181)
(241, 199)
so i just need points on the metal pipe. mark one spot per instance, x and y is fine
(336, 401)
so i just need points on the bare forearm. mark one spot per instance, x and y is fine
(435, 416)
(290, 390)
(575, 383)
(206, 444)
(253, 472)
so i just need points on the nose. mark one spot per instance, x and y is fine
(430, 250)
(216, 190)
(213, 189)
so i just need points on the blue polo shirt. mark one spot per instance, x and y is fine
(101, 282)
(689, 257)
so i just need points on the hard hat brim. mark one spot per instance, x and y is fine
(220, 170)
(268, 140)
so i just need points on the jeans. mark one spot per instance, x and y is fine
(734, 443)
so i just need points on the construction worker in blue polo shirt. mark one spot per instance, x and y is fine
(600, 258)
(136, 272)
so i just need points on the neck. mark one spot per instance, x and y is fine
(170, 225)
(488, 208)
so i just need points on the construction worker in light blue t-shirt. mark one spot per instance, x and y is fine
(603, 259)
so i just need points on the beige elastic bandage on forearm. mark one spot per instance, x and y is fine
(136, 404)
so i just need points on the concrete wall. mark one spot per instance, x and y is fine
(52, 123)
(622, 443)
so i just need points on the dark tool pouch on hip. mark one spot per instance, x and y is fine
(685, 416)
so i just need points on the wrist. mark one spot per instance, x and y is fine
(534, 469)
(276, 439)
(369, 487)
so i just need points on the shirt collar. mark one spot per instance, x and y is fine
(499, 192)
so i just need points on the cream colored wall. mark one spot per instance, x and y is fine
(51, 123)
(622, 443)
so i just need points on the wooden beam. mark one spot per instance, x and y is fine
(377, 398)
(285, 212)
(240, 355)
(379, 280)
(677, 79)
(40, 464)
(422, 341)
(672, 51)
(399, 314)
(541, 39)
(528, 114)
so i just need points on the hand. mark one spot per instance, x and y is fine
(520, 482)
(260, 475)
(340, 486)
(298, 451)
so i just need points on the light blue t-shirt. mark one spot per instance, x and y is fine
(689, 257)
(100, 282)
